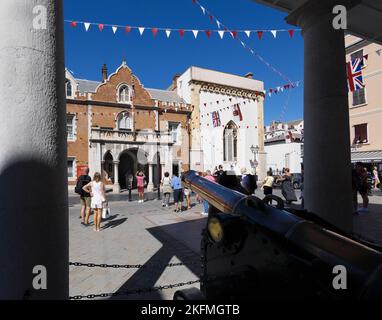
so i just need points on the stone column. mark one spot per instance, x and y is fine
(116, 186)
(327, 166)
(150, 185)
(33, 159)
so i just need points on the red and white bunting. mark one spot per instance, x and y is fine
(155, 30)
(195, 32)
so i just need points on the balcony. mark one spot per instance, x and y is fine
(128, 136)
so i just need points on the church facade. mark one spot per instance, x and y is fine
(117, 127)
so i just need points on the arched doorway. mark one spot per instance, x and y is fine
(130, 161)
(108, 165)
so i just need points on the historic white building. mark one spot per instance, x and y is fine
(227, 119)
(284, 145)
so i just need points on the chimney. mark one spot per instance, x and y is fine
(104, 73)
(249, 75)
(174, 81)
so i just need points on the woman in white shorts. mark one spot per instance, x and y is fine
(97, 192)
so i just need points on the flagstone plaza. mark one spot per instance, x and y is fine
(149, 235)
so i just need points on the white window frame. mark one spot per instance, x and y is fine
(122, 116)
(74, 127)
(178, 137)
(67, 81)
(74, 168)
(128, 97)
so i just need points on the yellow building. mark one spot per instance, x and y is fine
(365, 105)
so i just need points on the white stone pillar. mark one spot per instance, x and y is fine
(150, 185)
(327, 167)
(116, 186)
(33, 158)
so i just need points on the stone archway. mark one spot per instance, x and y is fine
(130, 161)
(108, 165)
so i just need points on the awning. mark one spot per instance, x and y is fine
(366, 156)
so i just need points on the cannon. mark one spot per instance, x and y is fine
(253, 250)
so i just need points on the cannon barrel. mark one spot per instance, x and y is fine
(279, 252)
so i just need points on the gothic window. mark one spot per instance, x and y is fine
(69, 89)
(124, 121)
(173, 128)
(70, 127)
(230, 142)
(123, 94)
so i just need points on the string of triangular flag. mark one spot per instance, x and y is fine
(235, 36)
(180, 31)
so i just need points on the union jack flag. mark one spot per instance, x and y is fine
(216, 119)
(354, 74)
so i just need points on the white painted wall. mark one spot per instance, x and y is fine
(212, 137)
(284, 155)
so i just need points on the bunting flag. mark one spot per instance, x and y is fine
(237, 112)
(216, 119)
(156, 30)
(256, 54)
(195, 32)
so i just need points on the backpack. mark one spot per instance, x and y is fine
(82, 181)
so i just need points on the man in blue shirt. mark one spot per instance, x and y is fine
(176, 185)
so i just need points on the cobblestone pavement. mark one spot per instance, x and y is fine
(136, 233)
(146, 233)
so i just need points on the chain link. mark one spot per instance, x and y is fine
(131, 266)
(134, 291)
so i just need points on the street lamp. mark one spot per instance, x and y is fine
(254, 150)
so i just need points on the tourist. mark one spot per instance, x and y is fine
(376, 178)
(176, 185)
(359, 184)
(229, 180)
(209, 177)
(187, 194)
(166, 189)
(268, 184)
(287, 189)
(141, 185)
(248, 181)
(96, 189)
(85, 198)
(218, 172)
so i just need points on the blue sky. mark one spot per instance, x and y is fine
(156, 60)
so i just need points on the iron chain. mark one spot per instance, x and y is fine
(130, 266)
(133, 291)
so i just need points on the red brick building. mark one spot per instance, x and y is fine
(117, 126)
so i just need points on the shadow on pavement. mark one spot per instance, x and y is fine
(147, 277)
